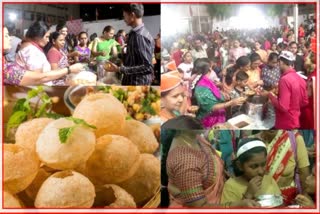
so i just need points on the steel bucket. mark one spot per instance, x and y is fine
(256, 107)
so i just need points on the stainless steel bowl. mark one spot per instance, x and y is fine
(270, 200)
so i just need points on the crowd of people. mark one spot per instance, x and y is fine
(45, 57)
(219, 71)
(232, 168)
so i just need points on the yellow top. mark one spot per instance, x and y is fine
(263, 54)
(287, 177)
(235, 188)
(254, 76)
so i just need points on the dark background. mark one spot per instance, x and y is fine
(112, 11)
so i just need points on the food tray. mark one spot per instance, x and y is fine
(241, 121)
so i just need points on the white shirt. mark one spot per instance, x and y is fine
(32, 58)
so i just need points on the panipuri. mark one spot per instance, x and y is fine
(142, 135)
(28, 132)
(113, 196)
(69, 155)
(114, 160)
(66, 189)
(103, 111)
(145, 182)
(34, 187)
(11, 201)
(20, 167)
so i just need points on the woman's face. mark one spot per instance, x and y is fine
(236, 44)
(257, 45)
(242, 83)
(174, 99)
(255, 166)
(255, 64)
(109, 35)
(274, 47)
(273, 63)
(311, 182)
(64, 31)
(83, 39)
(294, 48)
(59, 42)
(245, 68)
(44, 40)
(188, 58)
(6, 39)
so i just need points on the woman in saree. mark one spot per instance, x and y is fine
(288, 167)
(194, 169)
(209, 98)
(15, 74)
(56, 56)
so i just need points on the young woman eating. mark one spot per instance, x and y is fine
(250, 170)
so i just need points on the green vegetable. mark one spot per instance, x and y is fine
(65, 133)
(146, 107)
(22, 110)
(128, 117)
(80, 122)
(15, 120)
(53, 115)
(120, 94)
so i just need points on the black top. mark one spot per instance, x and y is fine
(299, 63)
(138, 69)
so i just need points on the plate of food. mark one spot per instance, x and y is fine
(82, 78)
(270, 201)
(249, 92)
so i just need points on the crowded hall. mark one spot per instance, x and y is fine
(231, 78)
(58, 50)
(238, 106)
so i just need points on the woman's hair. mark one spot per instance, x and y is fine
(254, 57)
(37, 30)
(247, 155)
(82, 32)
(241, 62)
(273, 56)
(107, 29)
(242, 76)
(120, 32)
(93, 36)
(60, 26)
(53, 37)
(183, 122)
(200, 67)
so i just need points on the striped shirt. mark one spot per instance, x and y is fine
(138, 68)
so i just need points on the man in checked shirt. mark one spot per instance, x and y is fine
(137, 68)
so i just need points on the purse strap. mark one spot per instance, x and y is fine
(293, 142)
